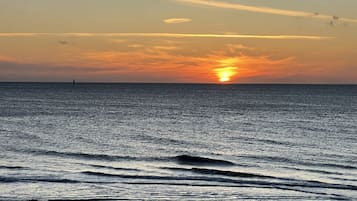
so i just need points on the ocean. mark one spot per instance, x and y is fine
(61, 141)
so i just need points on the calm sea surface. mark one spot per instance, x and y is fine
(177, 142)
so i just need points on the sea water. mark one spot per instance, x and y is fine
(177, 142)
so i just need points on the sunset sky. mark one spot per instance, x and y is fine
(179, 41)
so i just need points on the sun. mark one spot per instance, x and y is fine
(224, 77)
(226, 69)
(225, 74)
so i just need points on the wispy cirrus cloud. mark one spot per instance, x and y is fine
(267, 10)
(168, 35)
(177, 20)
(135, 45)
(167, 48)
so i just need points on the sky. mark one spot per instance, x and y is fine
(179, 41)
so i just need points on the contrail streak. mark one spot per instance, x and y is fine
(169, 35)
(267, 10)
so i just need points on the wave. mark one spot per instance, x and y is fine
(186, 159)
(264, 141)
(38, 179)
(8, 179)
(82, 155)
(156, 177)
(314, 171)
(331, 165)
(166, 140)
(12, 167)
(344, 179)
(181, 159)
(43, 179)
(195, 160)
(220, 172)
(324, 196)
(290, 184)
(226, 173)
(84, 199)
(114, 168)
(292, 161)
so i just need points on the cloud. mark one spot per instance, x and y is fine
(135, 45)
(190, 68)
(47, 68)
(267, 10)
(167, 35)
(20, 71)
(161, 64)
(119, 41)
(177, 20)
(167, 48)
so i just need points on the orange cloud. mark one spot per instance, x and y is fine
(182, 68)
(135, 45)
(151, 63)
(177, 20)
(168, 61)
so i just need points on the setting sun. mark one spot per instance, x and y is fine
(226, 70)
(225, 74)
(224, 78)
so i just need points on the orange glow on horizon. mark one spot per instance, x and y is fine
(224, 79)
(226, 70)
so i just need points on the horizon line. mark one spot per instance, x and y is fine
(188, 83)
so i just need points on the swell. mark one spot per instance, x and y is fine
(114, 168)
(314, 171)
(292, 161)
(85, 199)
(165, 140)
(43, 179)
(344, 179)
(220, 172)
(181, 159)
(86, 156)
(215, 172)
(330, 196)
(146, 177)
(195, 160)
(265, 141)
(12, 167)
(330, 165)
(51, 180)
(298, 183)
(235, 183)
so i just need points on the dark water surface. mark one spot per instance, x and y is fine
(178, 142)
